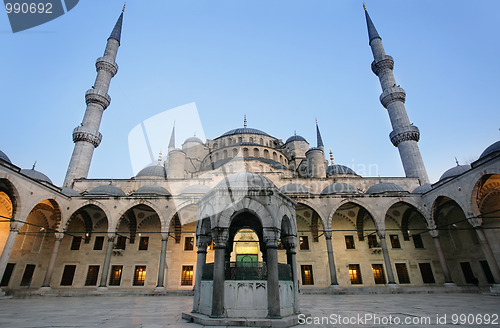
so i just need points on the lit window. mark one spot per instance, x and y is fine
(395, 241)
(378, 273)
(187, 275)
(402, 271)
(303, 243)
(188, 243)
(355, 274)
(307, 275)
(349, 242)
(116, 275)
(143, 243)
(372, 241)
(92, 275)
(139, 275)
(75, 244)
(99, 241)
(417, 241)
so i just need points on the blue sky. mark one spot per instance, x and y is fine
(282, 63)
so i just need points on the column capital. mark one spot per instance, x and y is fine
(202, 241)
(164, 236)
(434, 233)
(327, 234)
(111, 236)
(381, 233)
(59, 236)
(271, 236)
(14, 229)
(220, 237)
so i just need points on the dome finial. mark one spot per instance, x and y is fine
(294, 132)
(331, 155)
(456, 161)
(33, 166)
(159, 159)
(245, 121)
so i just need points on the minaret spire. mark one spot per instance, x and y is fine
(171, 144)
(87, 136)
(318, 137)
(404, 135)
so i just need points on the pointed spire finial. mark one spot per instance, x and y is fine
(364, 6)
(117, 30)
(372, 31)
(245, 122)
(159, 159)
(124, 4)
(318, 137)
(171, 144)
(34, 165)
(331, 156)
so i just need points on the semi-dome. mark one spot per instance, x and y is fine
(36, 175)
(194, 139)
(295, 138)
(196, 189)
(70, 192)
(384, 187)
(243, 131)
(295, 188)
(494, 148)
(151, 190)
(339, 170)
(422, 189)
(107, 190)
(245, 180)
(339, 187)
(4, 157)
(153, 171)
(454, 171)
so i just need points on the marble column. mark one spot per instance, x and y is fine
(488, 254)
(163, 256)
(201, 260)
(291, 259)
(387, 259)
(9, 245)
(444, 266)
(273, 288)
(220, 239)
(331, 260)
(107, 260)
(52, 261)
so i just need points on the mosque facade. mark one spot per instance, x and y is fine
(249, 199)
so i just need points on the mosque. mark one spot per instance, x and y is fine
(248, 206)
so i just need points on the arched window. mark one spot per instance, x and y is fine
(256, 152)
(224, 154)
(235, 152)
(215, 145)
(229, 141)
(216, 157)
(275, 156)
(261, 141)
(245, 152)
(281, 159)
(266, 153)
(251, 139)
(240, 139)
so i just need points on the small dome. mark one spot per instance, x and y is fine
(153, 171)
(422, 189)
(152, 190)
(295, 138)
(454, 171)
(194, 139)
(107, 190)
(36, 175)
(314, 148)
(339, 187)
(384, 187)
(295, 188)
(196, 189)
(243, 131)
(339, 170)
(245, 180)
(70, 192)
(4, 157)
(491, 149)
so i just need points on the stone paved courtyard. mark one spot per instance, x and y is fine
(165, 311)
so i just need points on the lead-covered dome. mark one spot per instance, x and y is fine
(5, 157)
(454, 171)
(243, 131)
(107, 190)
(422, 189)
(339, 187)
(70, 192)
(36, 175)
(194, 139)
(152, 190)
(494, 148)
(294, 188)
(295, 138)
(339, 170)
(384, 187)
(244, 180)
(152, 172)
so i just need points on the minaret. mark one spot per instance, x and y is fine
(318, 138)
(404, 135)
(171, 144)
(87, 136)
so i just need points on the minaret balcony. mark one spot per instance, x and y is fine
(408, 133)
(81, 133)
(96, 96)
(391, 95)
(105, 63)
(385, 63)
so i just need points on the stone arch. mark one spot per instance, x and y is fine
(363, 212)
(246, 204)
(91, 203)
(8, 188)
(153, 207)
(324, 221)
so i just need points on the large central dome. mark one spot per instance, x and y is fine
(243, 131)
